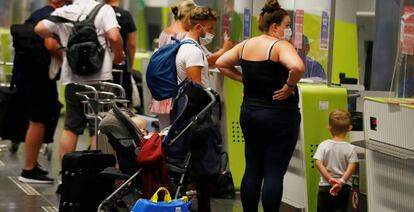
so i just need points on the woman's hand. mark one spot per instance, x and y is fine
(283, 93)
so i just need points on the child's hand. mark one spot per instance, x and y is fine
(335, 189)
(334, 181)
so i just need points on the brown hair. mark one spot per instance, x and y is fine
(183, 10)
(202, 13)
(271, 13)
(339, 121)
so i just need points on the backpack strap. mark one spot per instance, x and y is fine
(94, 12)
(59, 19)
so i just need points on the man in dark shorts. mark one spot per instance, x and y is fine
(128, 34)
(40, 93)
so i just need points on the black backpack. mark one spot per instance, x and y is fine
(31, 56)
(84, 53)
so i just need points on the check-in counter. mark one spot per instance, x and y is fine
(389, 144)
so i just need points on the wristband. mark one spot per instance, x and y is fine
(342, 181)
(290, 85)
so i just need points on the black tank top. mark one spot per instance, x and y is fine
(262, 78)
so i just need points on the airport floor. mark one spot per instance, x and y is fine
(23, 197)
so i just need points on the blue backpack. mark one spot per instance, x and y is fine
(161, 73)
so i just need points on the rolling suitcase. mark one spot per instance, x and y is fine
(82, 187)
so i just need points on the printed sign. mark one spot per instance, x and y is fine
(407, 30)
(247, 23)
(324, 31)
(298, 41)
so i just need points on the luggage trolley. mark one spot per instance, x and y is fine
(99, 98)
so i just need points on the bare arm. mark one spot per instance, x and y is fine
(115, 39)
(349, 171)
(291, 60)
(132, 44)
(54, 48)
(42, 31)
(227, 62)
(324, 172)
(212, 58)
(194, 74)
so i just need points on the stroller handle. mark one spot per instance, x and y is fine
(211, 93)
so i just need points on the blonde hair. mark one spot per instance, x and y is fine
(139, 122)
(202, 13)
(339, 121)
(183, 9)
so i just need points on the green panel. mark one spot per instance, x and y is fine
(255, 26)
(5, 50)
(138, 59)
(315, 123)
(233, 99)
(236, 26)
(345, 57)
(165, 12)
(141, 26)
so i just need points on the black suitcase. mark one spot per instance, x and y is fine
(82, 187)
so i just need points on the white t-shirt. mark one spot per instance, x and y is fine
(104, 21)
(335, 155)
(190, 55)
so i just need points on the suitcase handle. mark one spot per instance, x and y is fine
(91, 151)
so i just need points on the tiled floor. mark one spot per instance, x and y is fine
(21, 197)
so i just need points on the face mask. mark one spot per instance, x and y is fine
(288, 33)
(207, 39)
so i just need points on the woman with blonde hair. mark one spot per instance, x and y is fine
(177, 29)
(269, 115)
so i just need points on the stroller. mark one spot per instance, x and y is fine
(191, 111)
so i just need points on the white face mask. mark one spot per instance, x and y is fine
(207, 39)
(288, 33)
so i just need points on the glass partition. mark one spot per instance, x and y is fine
(311, 37)
(403, 77)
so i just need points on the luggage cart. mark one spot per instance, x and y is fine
(99, 98)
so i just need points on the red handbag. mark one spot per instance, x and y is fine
(151, 151)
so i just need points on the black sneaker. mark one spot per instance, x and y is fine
(40, 170)
(34, 176)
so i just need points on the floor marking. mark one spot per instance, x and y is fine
(26, 188)
(2, 164)
(50, 209)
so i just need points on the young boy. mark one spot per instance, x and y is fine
(336, 161)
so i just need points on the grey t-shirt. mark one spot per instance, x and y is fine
(335, 155)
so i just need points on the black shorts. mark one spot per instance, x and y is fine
(75, 119)
(41, 96)
(329, 203)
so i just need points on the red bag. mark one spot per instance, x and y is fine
(151, 151)
(154, 168)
